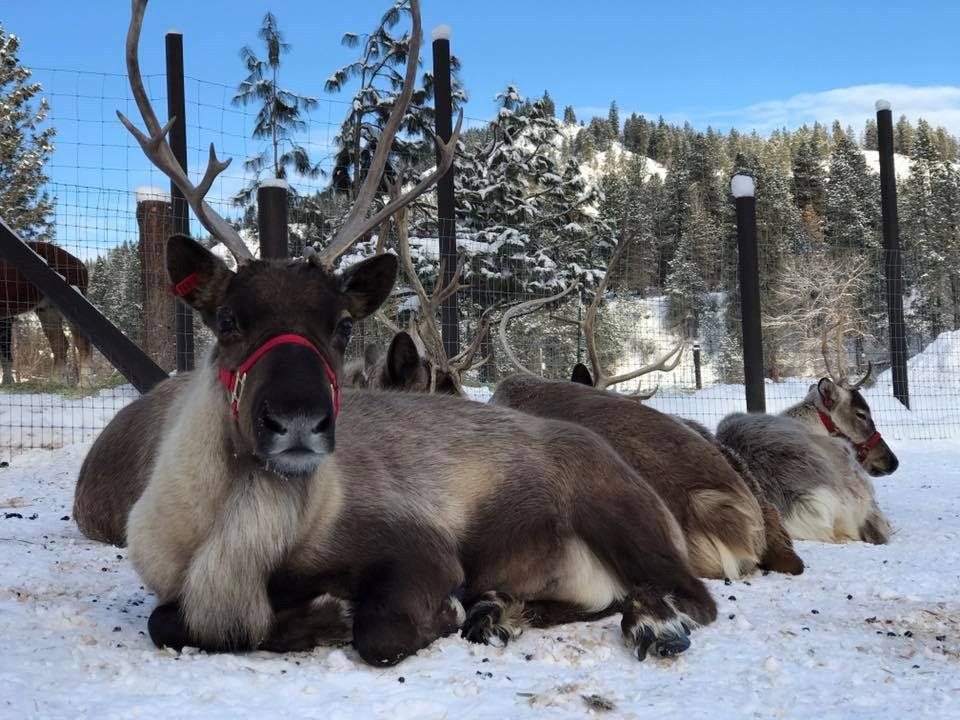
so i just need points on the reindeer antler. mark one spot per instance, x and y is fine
(357, 222)
(666, 362)
(158, 151)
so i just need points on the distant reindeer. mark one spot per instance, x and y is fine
(813, 461)
(728, 533)
(18, 296)
(272, 488)
(402, 367)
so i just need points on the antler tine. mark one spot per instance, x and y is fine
(665, 363)
(523, 308)
(588, 324)
(825, 352)
(158, 151)
(644, 395)
(464, 360)
(861, 381)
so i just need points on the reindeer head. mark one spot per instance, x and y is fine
(846, 414)
(281, 327)
(281, 330)
(405, 368)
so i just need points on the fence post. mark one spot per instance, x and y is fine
(446, 223)
(893, 261)
(696, 366)
(176, 108)
(742, 187)
(154, 215)
(272, 218)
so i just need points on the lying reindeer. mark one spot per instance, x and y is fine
(729, 529)
(402, 367)
(722, 521)
(271, 488)
(262, 476)
(812, 462)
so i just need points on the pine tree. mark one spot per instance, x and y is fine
(852, 215)
(613, 117)
(549, 107)
(279, 115)
(380, 73)
(24, 147)
(871, 140)
(569, 116)
(903, 136)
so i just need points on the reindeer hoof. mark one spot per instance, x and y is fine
(660, 639)
(493, 620)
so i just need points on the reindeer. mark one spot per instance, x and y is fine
(728, 531)
(813, 461)
(272, 487)
(402, 367)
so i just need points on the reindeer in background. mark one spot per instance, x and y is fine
(730, 529)
(18, 296)
(814, 459)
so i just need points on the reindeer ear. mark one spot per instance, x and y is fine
(829, 392)
(367, 284)
(581, 375)
(403, 360)
(198, 276)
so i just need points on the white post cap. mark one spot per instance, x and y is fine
(742, 186)
(147, 193)
(274, 182)
(882, 105)
(441, 32)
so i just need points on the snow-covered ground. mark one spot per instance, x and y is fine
(865, 632)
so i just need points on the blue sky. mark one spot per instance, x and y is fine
(747, 64)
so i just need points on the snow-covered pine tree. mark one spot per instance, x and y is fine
(24, 147)
(378, 73)
(279, 116)
(569, 116)
(613, 117)
(852, 217)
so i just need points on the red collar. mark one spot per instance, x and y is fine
(863, 449)
(233, 380)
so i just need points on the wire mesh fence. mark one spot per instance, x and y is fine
(112, 214)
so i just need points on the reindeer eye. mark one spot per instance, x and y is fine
(861, 414)
(226, 323)
(345, 329)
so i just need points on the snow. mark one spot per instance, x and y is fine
(147, 193)
(901, 163)
(882, 105)
(742, 186)
(275, 183)
(866, 632)
(441, 32)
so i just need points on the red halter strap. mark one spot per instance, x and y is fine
(233, 380)
(863, 449)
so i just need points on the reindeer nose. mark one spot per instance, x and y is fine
(293, 430)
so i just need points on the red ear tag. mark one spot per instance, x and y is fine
(187, 285)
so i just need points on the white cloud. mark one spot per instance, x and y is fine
(939, 105)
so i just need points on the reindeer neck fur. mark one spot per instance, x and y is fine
(242, 519)
(808, 411)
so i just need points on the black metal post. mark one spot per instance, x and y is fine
(122, 352)
(272, 211)
(696, 366)
(893, 261)
(176, 108)
(743, 190)
(443, 101)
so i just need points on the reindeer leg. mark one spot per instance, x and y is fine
(406, 603)
(84, 355)
(52, 324)
(495, 618)
(6, 349)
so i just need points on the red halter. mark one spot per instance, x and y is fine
(233, 380)
(863, 449)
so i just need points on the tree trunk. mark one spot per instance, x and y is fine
(154, 218)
